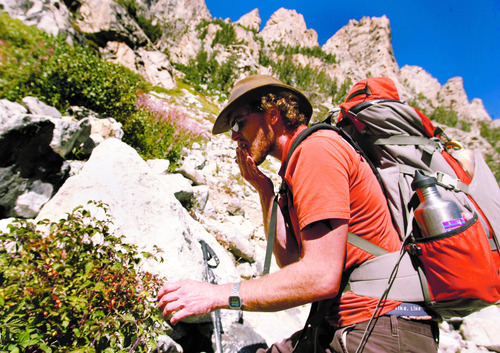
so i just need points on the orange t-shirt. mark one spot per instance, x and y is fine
(330, 180)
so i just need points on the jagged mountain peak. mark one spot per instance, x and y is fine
(364, 48)
(288, 27)
(251, 20)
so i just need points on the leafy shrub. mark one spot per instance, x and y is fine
(316, 51)
(205, 73)
(445, 116)
(264, 59)
(310, 80)
(341, 94)
(450, 118)
(62, 292)
(491, 134)
(226, 35)
(61, 75)
(163, 131)
(34, 63)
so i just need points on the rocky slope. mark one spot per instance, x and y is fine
(227, 212)
(362, 47)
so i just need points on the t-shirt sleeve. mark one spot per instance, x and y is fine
(319, 178)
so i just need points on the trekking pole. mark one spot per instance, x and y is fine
(209, 254)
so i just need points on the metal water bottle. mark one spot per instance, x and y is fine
(434, 215)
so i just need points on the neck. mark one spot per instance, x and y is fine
(281, 141)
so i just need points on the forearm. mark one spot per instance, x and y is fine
(285, 249)
(284, 289)
(316, 276)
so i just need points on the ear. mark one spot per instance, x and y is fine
(273, 114)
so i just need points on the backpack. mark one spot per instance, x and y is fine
(451, 274)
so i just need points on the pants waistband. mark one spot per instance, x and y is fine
(408, 309)
(384, 323)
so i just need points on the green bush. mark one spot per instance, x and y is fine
(37, 64)
(492, 135)
(341, 94)
(34, 63)
(450, 118)
(316, 51)
(226, 35)
(61, 292)
(445, 116)
(206, 74)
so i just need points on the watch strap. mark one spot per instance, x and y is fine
(234, 298)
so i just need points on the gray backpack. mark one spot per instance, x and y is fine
(451, 274)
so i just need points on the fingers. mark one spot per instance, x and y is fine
(168, 288)
(168, 301)
(243, 158)
(248, 168)
(179, 300)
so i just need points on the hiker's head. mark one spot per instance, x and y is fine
(258, 94)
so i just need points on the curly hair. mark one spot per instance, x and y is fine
(288, 106)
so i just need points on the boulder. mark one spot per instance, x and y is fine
(11, 114)
(482, 328)
(29, 167)
(106, 20)
(143, 209)
(37, 107)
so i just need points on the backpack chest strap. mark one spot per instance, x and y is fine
(444, 180)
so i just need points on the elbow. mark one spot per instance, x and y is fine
(327, 286)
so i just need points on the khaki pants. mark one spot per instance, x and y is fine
(390, 334)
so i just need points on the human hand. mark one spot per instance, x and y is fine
(182, 299)
(250, 172)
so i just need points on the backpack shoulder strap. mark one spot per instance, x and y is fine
(306, 133)
(365, 245)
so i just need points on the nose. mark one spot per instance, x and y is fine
(235, 136)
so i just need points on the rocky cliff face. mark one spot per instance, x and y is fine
(363, 48)
(287, 27)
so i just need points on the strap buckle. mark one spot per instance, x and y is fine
(451, 183)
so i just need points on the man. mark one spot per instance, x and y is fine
(333, 191)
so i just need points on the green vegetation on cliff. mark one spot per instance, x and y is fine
(34, 63)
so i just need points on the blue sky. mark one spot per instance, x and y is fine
(447, 38)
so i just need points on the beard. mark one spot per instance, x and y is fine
(262, 146)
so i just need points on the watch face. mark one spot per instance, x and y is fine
(234, 302)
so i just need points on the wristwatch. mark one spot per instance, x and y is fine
(234, 298)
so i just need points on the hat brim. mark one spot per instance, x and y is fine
(223, 121)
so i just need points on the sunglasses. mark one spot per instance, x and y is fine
(236, 125)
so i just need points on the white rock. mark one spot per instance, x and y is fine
(250, 20)
(28, 205)
(482, 328)
(37, 107)
(142, 209)
(287, 27)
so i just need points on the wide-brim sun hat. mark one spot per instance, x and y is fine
(251, 89)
